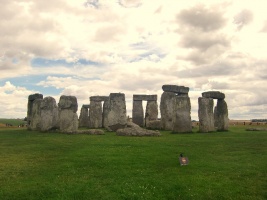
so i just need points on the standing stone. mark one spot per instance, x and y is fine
(166, 110)
(31, 99)
(49, 114)
(95, 114)
(182, 115)
(138, 113)
(205, 114)
(151, 112)
(84, 116)
(105, 112)
(35, 122)
(115, 112)
(221, 115)
(68, 119)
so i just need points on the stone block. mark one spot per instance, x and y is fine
(213, 95)
(144, 97)
(175, 89)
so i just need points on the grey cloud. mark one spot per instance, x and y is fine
(203, 41)
(107, 34)
(202, 18)
(243, 18)
(264, 28)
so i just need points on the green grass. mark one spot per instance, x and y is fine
(223, 165)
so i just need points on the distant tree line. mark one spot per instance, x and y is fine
(259, 120)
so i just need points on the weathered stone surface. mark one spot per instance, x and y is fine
(91, 132)
(138, 113)
(98, 98)
(49, 114)
(144, 97)
(151, 112)
(35, 122)
(135, 130)
(182, 115)
(68, 102)
(205, 114)
(95, 114)
(166, 110)
(175, 89)
(154, 124)
(84, 116)
(115, 112)
(105, 113)
(31, 99)
(68, 119)
(213, 95)
(221, 115)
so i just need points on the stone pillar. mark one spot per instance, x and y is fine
(138, 113)
(205, 114)
(182, 115)
(84, 116)
(151, 112)
(116, 112)
(221, 115)
(68, 118)
(166, 110)
(35, 117)
(31, 99)
(95, 114)
(105, 112)
(49, 114)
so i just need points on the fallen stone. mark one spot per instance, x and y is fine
(175, 89)
(91, 132)
(213, 95)
(154, 125)
(256, 129)
(135, 130)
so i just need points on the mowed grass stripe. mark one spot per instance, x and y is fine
(223, 165)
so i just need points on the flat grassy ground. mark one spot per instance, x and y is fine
(223, 165)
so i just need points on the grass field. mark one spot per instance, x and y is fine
(223, 165)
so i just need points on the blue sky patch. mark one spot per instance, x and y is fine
(42, 62)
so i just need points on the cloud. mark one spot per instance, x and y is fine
(202, 18)
(243, 18)
(130, 3)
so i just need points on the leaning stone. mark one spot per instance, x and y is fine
(221, 115)
(205, 114)
(175, 89)
(213, 95)
(144, 97)
(166, 110)
(182, 115)
(49, 114)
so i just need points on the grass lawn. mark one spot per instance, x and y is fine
(223, 165)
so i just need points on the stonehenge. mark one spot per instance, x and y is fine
(109, 112)
(210, 120)
(175, 108)
(150, 120)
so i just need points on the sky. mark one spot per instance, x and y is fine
(96, 47)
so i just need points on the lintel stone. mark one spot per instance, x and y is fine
(213, 95)
(99, 98)
(144, 97)
(175, 89)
